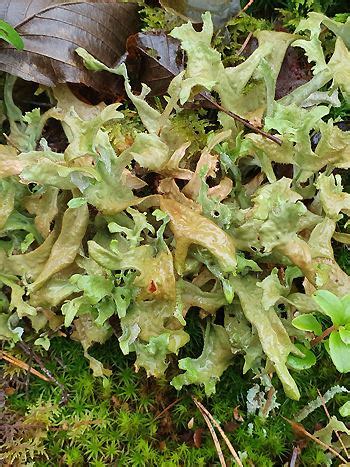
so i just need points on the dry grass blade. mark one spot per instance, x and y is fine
(221, 431)
(245, 43)
(302, 430)
(17, 362)
(167, 408)
(212, 432)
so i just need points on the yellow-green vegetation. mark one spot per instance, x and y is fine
(189, 244)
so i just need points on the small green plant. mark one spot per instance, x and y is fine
(10, 35)
(338, 343)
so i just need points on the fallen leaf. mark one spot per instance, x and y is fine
(295, 71)
(197, 437)
(53, 29)
(155, 58)
(9, 391)
(221, 10)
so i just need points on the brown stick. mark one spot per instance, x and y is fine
(239, 119)
(320, 338)
(245, 8)
(15, 361)
(221, 431)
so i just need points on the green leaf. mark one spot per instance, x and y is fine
(344, 334)
(301, 363)
(76, 202)
(204, 63)
(150, 151)
(345, 409)
(272, 289)
(70, 309)
(10, 35)
(346, 304)
(152, 356)
(331, 305)
(339, 352)
(326, 434)
(309, 323)
(273, 336)
(6, 333)
(209, 366)
(106, 308)
(29, 239)
(22, 307)
(95, 288)
(66, 247)
(44, 342)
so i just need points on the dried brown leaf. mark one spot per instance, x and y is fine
(53, 29)
(155, 58)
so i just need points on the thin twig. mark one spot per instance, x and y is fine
(320, 338)
(302, 430)
(168, 408)
(239, 119)
(17, 362)
(329, 417)
(245, 8)
(28, 375)
(38, 360)
(11, 142)
(244, 45)
(221, 431)
(212, 432)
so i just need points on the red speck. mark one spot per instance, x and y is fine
(152, 287)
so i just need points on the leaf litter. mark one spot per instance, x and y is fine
(129, 222)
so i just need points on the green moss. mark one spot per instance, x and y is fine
(157, 18)
(230, 40)
(115, 421)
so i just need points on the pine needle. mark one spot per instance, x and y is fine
(221, 431)
(212, 432)
(17, 362)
